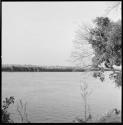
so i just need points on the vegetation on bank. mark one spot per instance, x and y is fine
(105, 39)
(5, 114)
(21, 110)
(33, 68)
(113, 116)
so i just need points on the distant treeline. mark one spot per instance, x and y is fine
(33, 68)
(30, 68)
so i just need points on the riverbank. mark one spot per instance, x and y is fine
(110, 117)
(35, 68)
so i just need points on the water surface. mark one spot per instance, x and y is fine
(55, 96)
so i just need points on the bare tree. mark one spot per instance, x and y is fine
(114, 6)
(85, 93)
(21, 109)
(83, 51)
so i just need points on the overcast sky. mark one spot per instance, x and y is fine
(41, 33)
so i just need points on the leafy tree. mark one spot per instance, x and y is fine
(105, 40)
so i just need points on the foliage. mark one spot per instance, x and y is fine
(5, 113)
(105, 40)
(21, 109)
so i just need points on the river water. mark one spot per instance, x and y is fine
(55, 97)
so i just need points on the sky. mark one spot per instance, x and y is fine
(42, 33)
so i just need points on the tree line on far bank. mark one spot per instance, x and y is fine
(31, 68)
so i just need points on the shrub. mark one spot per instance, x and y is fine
(5, 113)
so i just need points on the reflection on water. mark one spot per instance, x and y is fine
(55, 96)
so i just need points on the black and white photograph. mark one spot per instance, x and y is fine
(61, 62)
